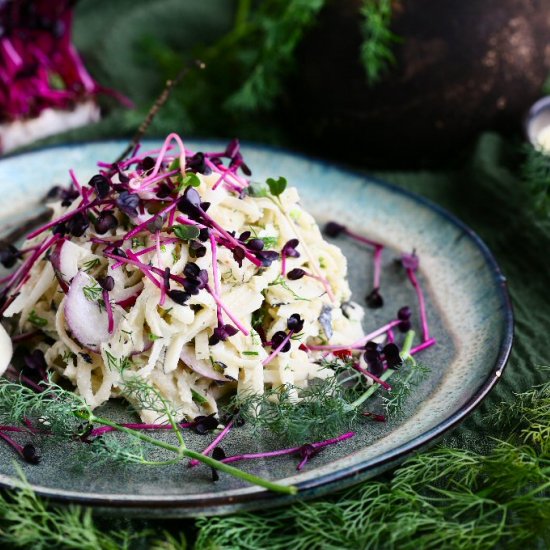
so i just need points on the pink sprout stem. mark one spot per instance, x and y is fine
(362, 239)
(358, 344)
(421, 303)
(276, 351)
(13, 429)
(18, 448)
(283, 264)
(76, 183)
(133, 261)
(423, 346)
(368, 374)
(215, 443)
(293, 450)
(109, 310)
(144, 224)
(377, 265)
(173, 136)
(62, 219)
(232, 317)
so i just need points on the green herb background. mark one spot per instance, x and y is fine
(473, 492)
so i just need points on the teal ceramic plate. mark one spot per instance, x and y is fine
(468, 308)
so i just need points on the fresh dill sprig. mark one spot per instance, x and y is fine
(279, 25)
(403, 384)
(535, 171)
(54, 410)
(92, 292)
(90, 265)
(444, 498)
(281, 281)
(36, 320)
(318, 412)
(376, 50)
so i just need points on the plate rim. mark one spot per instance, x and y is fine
(253, 497)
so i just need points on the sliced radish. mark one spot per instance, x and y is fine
(200, 366)
(88, 323)
(6, 350)
(65, 258)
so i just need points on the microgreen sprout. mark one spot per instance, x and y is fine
(410, 262)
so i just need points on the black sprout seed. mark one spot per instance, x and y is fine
(101, 185)
(105, 222)
(295, 274)
(106, 283)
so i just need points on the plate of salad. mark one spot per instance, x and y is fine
(201, 327)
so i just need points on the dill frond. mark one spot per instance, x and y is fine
(54, 410)
(444, 498)
(376, 52)
(535, 171)
(403, 384)
(279, 25)
(299, 415)
(27, 521)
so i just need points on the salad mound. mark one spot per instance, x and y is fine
(175, 267)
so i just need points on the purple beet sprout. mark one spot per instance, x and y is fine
(423, 346)
(132, 260)
(304, 452)
(26, 452)
(281, 340)
(376, 417)
(109, 310)
(289, 251)
(219, 438)
(36, 48)
(358, 344)
(372, 376)
(374, 298)
(410, 263)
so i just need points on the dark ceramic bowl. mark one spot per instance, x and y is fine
(468, 308)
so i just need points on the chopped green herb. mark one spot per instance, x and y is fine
(37, 321)
(276, 186)
(190, 179)
(250, 353)
(186, 232)
(270, 242)
(92, 292)
(119, 364)
(280, 281)
(90, 264)
(153, 337)
(198, 398)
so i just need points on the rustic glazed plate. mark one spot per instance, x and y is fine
(468, 308)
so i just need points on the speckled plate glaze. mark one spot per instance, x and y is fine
(468, 307)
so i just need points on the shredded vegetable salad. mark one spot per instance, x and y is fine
(176, 267)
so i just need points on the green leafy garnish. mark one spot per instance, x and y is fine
(251, 353)
(190, 179)
(198, 398)
(92, 292)
(276, 186)
(90, 264)
(536, 174)
(376, 52)
(186, 232)
(37, 321)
